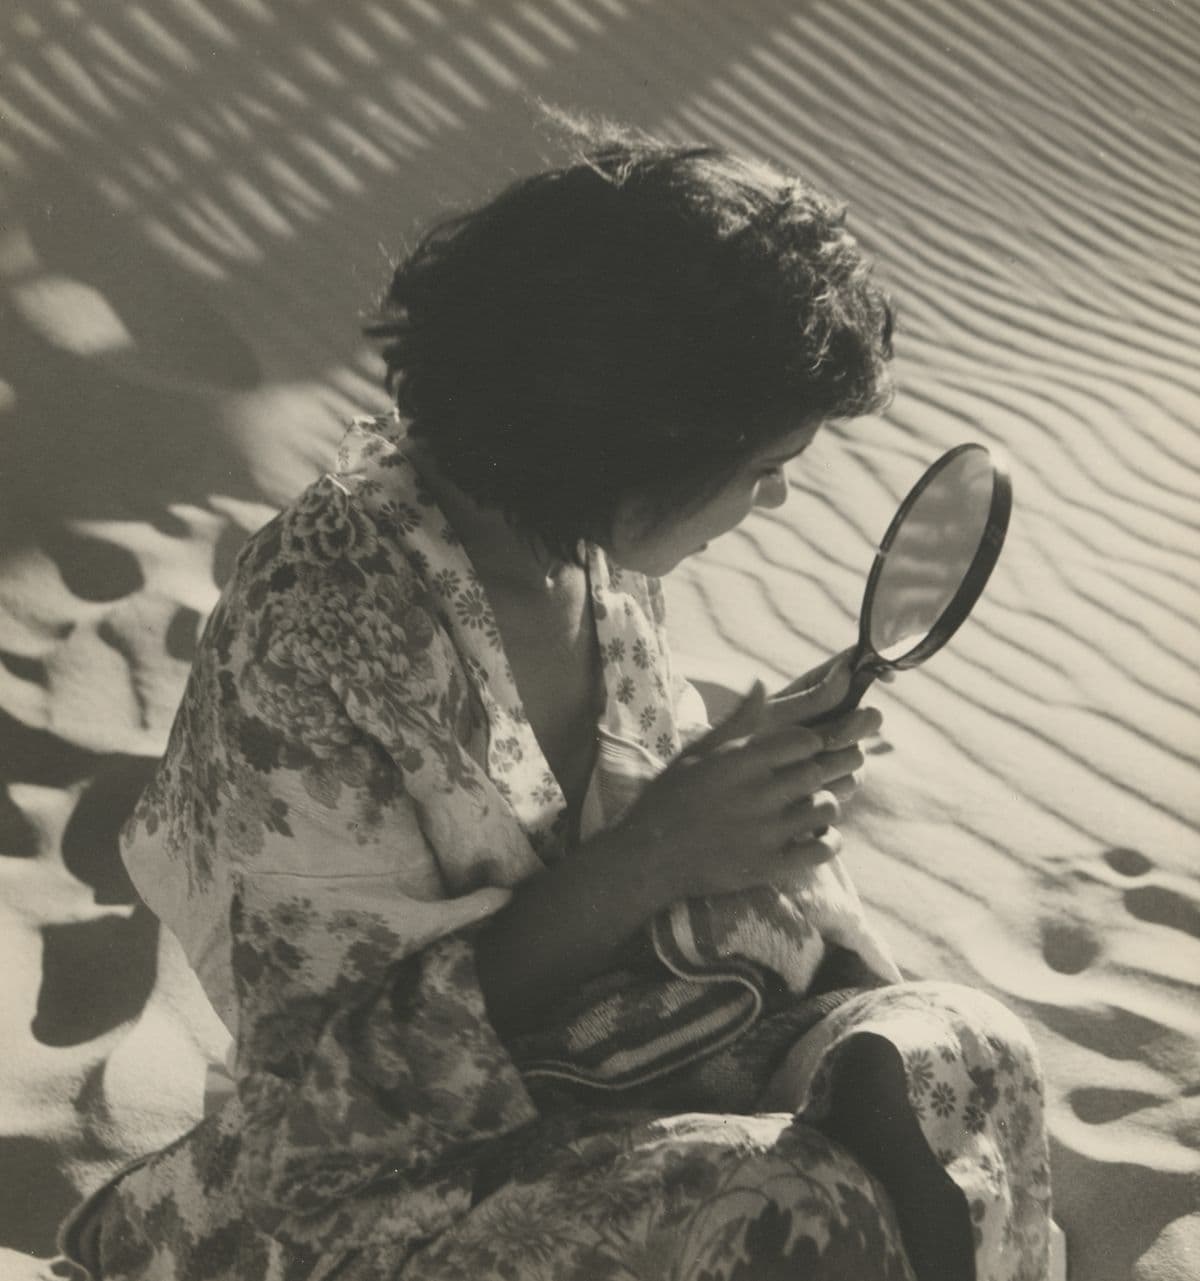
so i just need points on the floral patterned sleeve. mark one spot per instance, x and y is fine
(301, 777)
(355, 1083)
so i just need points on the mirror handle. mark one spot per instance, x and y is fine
(862, 678)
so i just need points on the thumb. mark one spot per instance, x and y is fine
(745, 718)
(821, 690)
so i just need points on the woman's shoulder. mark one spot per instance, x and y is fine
(334, 521)
(326, 536)
(317, 584)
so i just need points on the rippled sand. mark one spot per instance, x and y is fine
(199, 201)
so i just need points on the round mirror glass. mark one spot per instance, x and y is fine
(929, 552)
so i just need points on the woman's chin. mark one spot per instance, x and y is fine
(678, 560)
(654, 564)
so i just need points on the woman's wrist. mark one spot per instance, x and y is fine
(634, 868)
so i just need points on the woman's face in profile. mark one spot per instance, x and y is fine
(656, 546)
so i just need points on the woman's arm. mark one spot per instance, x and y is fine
(746, 805)
(563, 926)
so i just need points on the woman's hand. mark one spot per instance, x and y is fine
(752, 803)
(812, 695)
(818, 690)
(749, 803)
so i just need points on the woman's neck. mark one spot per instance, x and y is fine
(501, 555)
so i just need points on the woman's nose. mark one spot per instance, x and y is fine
(772, 490)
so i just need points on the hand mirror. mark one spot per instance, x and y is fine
(931, 566)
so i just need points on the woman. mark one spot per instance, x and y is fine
(528, 972)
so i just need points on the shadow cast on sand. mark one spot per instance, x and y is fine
(195, 226)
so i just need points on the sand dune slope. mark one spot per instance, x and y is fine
(199, 198)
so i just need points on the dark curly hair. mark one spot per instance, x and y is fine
(636, 323)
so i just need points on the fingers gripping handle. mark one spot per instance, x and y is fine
(860, 681)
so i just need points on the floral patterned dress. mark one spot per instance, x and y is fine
(349, 789)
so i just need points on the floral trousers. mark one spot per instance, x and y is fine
(706, 1195)
(688, 1180)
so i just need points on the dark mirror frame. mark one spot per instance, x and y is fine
(974, 580)
(867, 664)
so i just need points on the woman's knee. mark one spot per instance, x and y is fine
(986, 1028)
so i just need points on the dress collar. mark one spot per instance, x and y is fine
(374, 464)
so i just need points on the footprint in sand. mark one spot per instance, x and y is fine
(90, 850)
(96, 975)
(1128, 862)
(90, 569)
(28, 1221)
(24, 667)
(1096, 1105)
(1161, 905)
(1111, 1030)
(1155, 904)
(182, 634)
(1068, 946)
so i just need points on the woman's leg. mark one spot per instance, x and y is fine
(870, 1114)
(696, 1197)
(919, 1078)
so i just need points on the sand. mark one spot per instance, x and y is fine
(199, 200)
